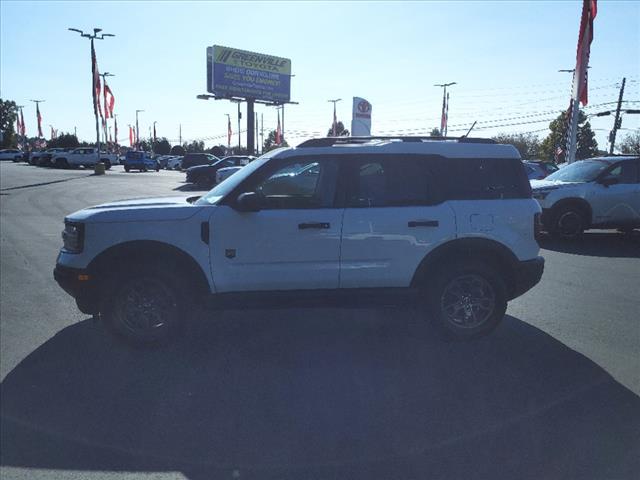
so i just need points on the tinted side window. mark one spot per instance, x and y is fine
(300, 183)
(625, 172)
(390, 182)
(483, 179)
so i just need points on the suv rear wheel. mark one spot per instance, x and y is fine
(467, 300)
(147, 306)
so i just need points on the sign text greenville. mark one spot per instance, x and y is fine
(238, 73)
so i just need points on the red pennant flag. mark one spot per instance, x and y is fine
(109, 101)
(130, 136)
(229, 131)
(96, 85)
(585, 37)
(39, 121)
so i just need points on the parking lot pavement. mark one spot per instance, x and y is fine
(319, 393)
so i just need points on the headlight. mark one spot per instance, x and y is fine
(73, 237)
(541, 194)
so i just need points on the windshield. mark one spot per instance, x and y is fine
(223, 188)
(580, 172)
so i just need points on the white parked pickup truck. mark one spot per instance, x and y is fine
(85, 156)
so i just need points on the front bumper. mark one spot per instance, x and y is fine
(80, 285)
(527, 274)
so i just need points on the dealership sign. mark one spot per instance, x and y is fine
(361, 117)
(238, 73)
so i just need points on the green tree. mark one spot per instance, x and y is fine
(161, 146)
(526, 143)
(340, 130)
(8, 114)
(177, 150)
(218, 150)
(65, 140)
(631, 143)
(270, 142)
(587, 146)
(196, 146)
(435, 132)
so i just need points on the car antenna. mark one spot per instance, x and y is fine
(469, 131)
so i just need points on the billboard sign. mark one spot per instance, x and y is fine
(239, 73)
(361, 118)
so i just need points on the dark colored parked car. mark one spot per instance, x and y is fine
(193, 159)
(205, 175)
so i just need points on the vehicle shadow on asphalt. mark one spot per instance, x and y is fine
(597, 244)
(324, 394)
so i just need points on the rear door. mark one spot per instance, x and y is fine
(393, 218)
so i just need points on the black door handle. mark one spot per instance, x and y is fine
(305, 226)
(423, 223)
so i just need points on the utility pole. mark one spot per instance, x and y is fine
(261, 133)
(95, 36)
(180, 134)
(138, 130)
(239, 117)
(335, 119)
(75, 132)
(445, 107)
(257, 135)
(617, 123)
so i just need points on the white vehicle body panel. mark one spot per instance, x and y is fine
(266, 250)
(379, 249)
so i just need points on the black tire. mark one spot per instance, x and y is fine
(569, 222)
(157, 168)
(466, 299)
(143, 169)
(146, 305)
(126, 169)
(62, 163)
(107, 163)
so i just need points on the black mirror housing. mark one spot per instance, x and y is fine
(248, 202)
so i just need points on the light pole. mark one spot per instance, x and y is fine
(335, 119)
(445, 107)
(96, 35)
(138, 130)
(228, 129)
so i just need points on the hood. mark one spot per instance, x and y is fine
(199, 168)
(139, 210)
(550, 184)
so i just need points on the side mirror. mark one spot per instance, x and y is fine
(248, 202)
(608, 181)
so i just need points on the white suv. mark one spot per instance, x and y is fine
(450, 223)
(596, 193)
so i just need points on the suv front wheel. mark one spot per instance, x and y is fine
(146, 307)
(467, 300)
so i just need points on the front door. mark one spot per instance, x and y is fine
(618, 203)
(292, 242)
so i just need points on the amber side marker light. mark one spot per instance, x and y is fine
(83, 278)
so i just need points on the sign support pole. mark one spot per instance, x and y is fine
(251, 135)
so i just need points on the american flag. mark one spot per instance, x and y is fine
(39, 121)
(229, 131)
(96, 85)
(279, 131)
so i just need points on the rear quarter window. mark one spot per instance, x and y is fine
(482, 179)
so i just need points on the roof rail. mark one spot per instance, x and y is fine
(330, 141)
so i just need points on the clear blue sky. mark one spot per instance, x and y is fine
(504, 56)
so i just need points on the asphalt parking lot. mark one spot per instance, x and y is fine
(314, 393)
